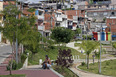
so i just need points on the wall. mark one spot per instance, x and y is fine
(111, 23)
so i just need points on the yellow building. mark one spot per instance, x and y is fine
(1, 17)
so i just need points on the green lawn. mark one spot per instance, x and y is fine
(64, 71)
(108, 68)
(76, 44)
(52, 53)
(12, 76)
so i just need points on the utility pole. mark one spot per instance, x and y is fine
(100, 52)
(51, 16)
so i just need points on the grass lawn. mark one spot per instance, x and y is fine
(108, 68)
(76, 44)
(64, 71)
(12, 75)
(52, 53)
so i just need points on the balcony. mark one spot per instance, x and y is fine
(41, 17)
(41, 28)
(102, 2)
(59, 18)
(75, 19)
(64, 16)
(74, 28)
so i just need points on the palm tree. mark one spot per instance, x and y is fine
(97, 55)
(88, 47)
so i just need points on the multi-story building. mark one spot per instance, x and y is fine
(111, 26)
(98, 18)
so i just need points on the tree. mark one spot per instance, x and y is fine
(78, 31)
(64, 58)
(114, 45)
(62, 35)
(21, 28)
(97, 55)
(88, 47)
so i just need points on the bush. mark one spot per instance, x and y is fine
(64, 58)
(27, 51)
(19, 65)
(107, 63)
(23, 57)
(14, 65)
(64, 71)
(83, 63)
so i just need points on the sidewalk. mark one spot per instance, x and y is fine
(82, 73)
(31, 71)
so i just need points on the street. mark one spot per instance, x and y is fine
(5, 51)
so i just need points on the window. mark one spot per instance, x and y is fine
(95, 14)
(105, 13)
(40, 12)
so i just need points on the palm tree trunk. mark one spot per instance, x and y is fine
(88, 61)
(98, 66)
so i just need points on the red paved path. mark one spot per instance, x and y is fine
(29, 73)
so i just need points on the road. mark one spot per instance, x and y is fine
(5, 51)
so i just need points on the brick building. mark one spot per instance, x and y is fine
(111, 26)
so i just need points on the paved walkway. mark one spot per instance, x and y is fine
(31, 71)
(82, 73)
(5, 51)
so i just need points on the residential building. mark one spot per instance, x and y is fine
(98, 18)
(111, 26)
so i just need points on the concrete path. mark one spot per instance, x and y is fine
(71, 45)
(82, 73)
(5, 51)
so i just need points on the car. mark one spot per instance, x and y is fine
(93, 38)
(79, 38)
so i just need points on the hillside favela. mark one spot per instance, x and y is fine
(57, 38)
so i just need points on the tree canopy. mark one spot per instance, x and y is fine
(62, 35)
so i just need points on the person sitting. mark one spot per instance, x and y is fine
(46, 63)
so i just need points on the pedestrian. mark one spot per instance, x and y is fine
(47, 63)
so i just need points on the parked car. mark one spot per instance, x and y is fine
(93, 38)
(79, 38)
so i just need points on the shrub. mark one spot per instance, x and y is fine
(64, 58)
(19, 65)
(14, 65)
(83, 63)
(23, 57)
(107, 63)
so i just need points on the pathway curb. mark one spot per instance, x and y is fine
(75, 73)
(56, 73)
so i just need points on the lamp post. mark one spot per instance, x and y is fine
(100, 51)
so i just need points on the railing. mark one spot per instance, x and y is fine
(75, 18)
(59, 18)
(102, 2)
(41, 17)
(41, 27)
(64, 16)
